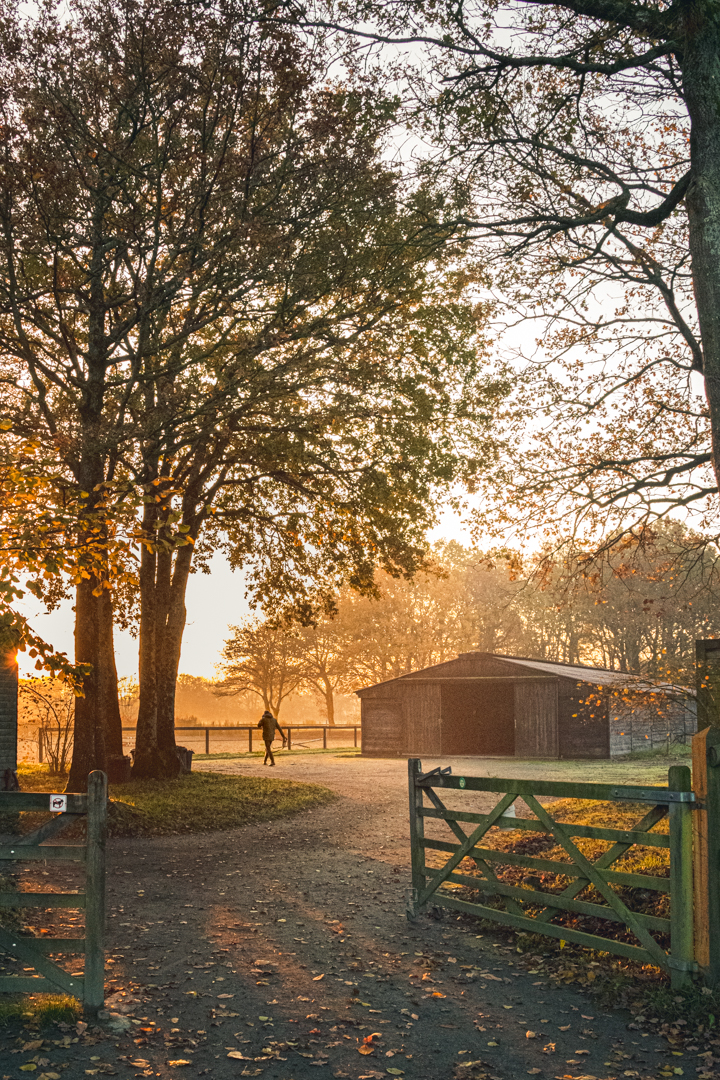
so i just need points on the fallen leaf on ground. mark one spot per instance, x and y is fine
(30, 1067)
(436, 993)
(319, 977)
(178, 1062)
(531, 1034)
(238, 1055)
(566, 1027)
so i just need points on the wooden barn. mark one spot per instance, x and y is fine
(485, 704)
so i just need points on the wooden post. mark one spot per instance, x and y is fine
(324, 738)
(681, 880)
(289, 738)
(700, 851)
(706, 784)
(207, 740)
(250, 740)
(354, 736)
(417, 834)
(707, 682)
(94, 996)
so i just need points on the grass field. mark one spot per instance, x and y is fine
(200, 802)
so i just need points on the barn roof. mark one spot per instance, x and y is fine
(597, 676)
(585, 673)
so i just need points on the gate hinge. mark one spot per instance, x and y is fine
(655, 795)
(682, 965)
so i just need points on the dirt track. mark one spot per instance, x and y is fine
(286, 945)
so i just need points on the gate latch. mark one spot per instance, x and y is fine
(433, 772)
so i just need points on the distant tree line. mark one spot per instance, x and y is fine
(638, 610)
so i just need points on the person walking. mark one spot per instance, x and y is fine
(269, 726)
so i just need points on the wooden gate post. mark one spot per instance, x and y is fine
(94, 996)
(681, 880)
(706, 784)
(417, 832)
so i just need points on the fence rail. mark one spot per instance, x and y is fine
(253, 733)
(324, 735)
(51, 977)
(532, 908)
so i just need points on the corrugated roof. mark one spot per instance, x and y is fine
(580, 672)
(585, 673)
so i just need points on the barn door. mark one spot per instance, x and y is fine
(536, 718)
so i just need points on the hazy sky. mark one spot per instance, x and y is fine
(214, 601)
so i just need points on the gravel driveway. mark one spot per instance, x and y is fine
(282, 950)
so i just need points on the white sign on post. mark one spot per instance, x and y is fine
(58, 804)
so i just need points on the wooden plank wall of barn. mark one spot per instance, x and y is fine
(382, 721)
(582, 726)
(423, 724)
(536, 718)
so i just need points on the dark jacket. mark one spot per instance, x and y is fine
(269, 725)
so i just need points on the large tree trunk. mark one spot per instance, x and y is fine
(162, 622)
(146, 744)
(329, 701)
(98, 726)
(701, 84)
(168, 661)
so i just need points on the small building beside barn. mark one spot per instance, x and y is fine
(484, 704)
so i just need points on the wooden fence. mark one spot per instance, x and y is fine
(36, 951)
(530, 907)
(254, 736)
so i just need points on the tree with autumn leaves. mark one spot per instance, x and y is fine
(578, 147)
(226, 320)
(638, 610)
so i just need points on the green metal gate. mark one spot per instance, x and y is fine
(35, 951)
(532, 909)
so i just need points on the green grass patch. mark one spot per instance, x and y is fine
(345, 751)
(199, 802)
(40, 1009)
(39, 778)
(205, 802)
(675, 755)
